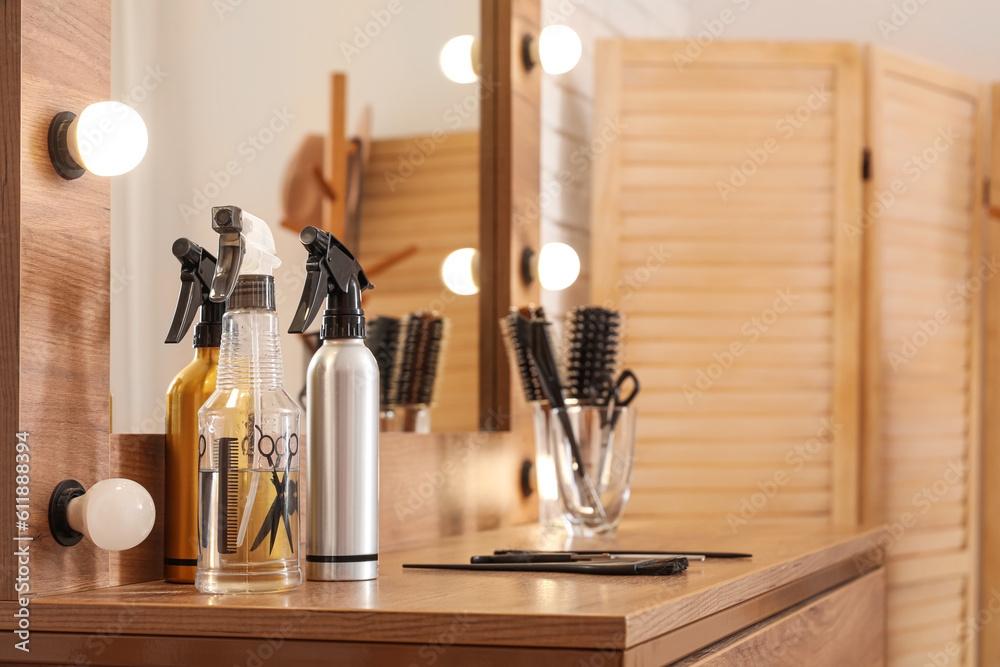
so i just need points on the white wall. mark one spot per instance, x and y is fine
(960, 34)
(567, 119)
(206, 81)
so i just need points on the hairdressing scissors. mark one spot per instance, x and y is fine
(285, 489)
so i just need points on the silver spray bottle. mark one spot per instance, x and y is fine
(342, 406)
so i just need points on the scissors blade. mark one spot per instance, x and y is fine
(276, 521)
(288, 531)
(267, 525)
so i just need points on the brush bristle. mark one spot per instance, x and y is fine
(420, 359)
(592, 353)
(383, 341)
(516, 329)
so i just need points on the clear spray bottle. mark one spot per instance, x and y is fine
(248, 441)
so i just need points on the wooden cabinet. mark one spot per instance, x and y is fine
(794, 232)
(841, 627)
(820, 591)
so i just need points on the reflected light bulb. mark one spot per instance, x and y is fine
(107, 138)
(559, 49)
(460, 271)
(558, 266)
(457, 59)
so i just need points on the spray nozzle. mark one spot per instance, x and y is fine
(334, 274)
(197, 271)
(246, 247)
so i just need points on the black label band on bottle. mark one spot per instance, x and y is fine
(341, 559)
(181, 562)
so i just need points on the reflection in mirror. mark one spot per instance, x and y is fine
(242, 109)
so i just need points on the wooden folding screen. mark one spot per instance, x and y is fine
(990, 552)
(730, 222)
(723, 185)
(923, 226)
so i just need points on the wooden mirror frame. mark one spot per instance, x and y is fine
(55, 247)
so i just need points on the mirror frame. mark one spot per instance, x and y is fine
(54, 340)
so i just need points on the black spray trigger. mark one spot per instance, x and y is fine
(227, 221)
(188, 303)
(332, 273)
(197, 271)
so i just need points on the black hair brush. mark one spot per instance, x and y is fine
(383, 341)
(544, 359)
(593, 344)
(517, 332)
(420, 360)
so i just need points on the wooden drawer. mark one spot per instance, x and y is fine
(842, 627)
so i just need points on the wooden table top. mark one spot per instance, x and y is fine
(487, 608)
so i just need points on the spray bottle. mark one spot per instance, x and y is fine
(248, 440)
(342, 388)
(185, 397)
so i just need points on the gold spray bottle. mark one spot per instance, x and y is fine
(187, 393)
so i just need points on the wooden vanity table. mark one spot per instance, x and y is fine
(812, 598)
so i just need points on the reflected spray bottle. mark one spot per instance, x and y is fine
(248, 440)
(188, 391)
(342, 388)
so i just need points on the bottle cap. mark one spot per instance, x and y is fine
(332, 273)
(246, 253)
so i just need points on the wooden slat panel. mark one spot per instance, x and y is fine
(739, 287)
(445, 196)
(922, 369)
(991, 452)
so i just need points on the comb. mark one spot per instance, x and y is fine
(227, 455)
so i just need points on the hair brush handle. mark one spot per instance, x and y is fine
(548, 376)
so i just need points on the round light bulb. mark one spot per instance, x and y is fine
(559, 49)
(558, 266)
(460, 270)
(115, 514)
(457, 59)
(107, 138)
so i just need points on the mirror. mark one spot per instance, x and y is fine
(238, 102)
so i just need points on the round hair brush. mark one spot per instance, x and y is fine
(593, 345)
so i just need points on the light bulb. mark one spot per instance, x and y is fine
(114, 514)
(559, 49)
(558, 266)
(460, 271)
(108, 138)
(458, 59)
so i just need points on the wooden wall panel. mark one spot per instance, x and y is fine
(57, 56)
(925, 277)
(718, 210)
(990, 560)
(436, 209)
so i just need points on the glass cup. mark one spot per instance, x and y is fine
(549, 510)
(593, 492)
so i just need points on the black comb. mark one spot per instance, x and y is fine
(227, 457)
(592, 353)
